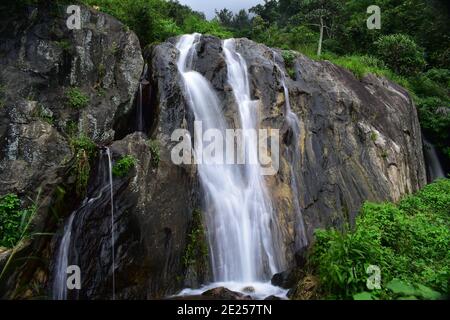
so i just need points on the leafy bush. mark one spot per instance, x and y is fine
(12, 220)
(123, 166)
(157, 20)
(401, 54)
(76, 99)
(434, 115)
(408, 241)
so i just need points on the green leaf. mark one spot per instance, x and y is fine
(427, 293)
(400, 287)
(363, 296)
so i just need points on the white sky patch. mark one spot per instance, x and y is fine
(208, 6)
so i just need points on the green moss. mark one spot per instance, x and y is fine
(373, 136)
(123, 166)
(196, 251)
(76, 99)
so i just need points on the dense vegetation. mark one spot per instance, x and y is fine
(411, 47)
(408, 241)
(13, 220)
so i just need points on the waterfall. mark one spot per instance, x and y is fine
(293, 154)
(434, 168)
(62, 262)
(238, 210)
(66, 254)
(111, 190)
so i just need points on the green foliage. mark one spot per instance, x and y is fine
(76, 99)
(13, 220)
(122, 167)
(408, 241)
(154, 152)
(289, 57)
(401, 54)
(402, 289)
(84, 150)
(157, 20)
(196, 250)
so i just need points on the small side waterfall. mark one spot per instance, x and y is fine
(66, 254)
(238, 211)
(111, 190)
(62, 262)
(434, 168)
(293, 157)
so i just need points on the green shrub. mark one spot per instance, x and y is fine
(400, 53)
(13, 220)
(434, 115)
(123, 166)
(289, 58)
(408, 241)
(76, 99)
(441, 76)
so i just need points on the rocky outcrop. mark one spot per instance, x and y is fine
(359, 140)
(45, 69)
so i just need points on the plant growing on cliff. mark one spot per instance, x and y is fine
(289, 57)
(123, 166)
(84, 150)
(196, 251)
(154, 152)
(13, 220)
(76, 99)
(408, 241)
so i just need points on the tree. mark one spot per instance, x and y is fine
(225, 17)
(319, 13)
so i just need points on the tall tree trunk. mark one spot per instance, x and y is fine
(319, 48)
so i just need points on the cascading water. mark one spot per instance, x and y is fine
(293, 154)
(111, 190)
(434, 167)
(62, 262)
(239, 212)
(66, 254)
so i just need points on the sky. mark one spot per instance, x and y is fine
(208, 6)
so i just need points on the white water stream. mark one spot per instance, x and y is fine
(240, 220)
